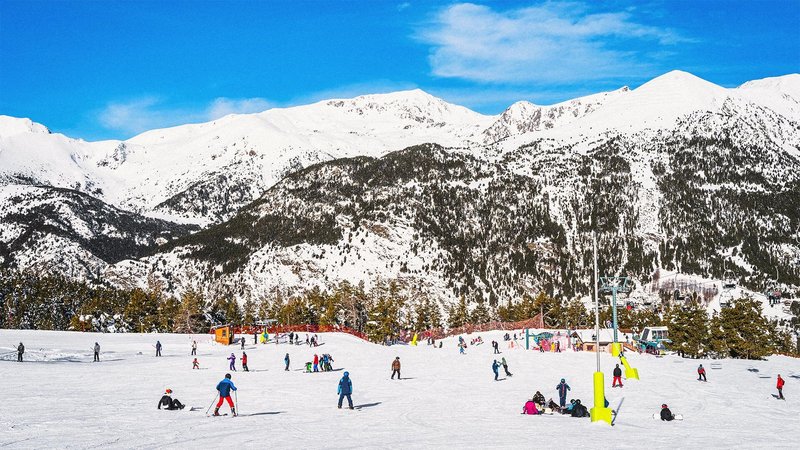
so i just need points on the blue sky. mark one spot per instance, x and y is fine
(111, 69)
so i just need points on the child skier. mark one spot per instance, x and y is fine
(396, 367)
(244, 362)
(562, 389)
(505, 366)
(617, 377)
(286, 360)
(225, 387)
(316, 363)
(701, 373)
(495, 369)
(780, 387)
(308, 367)
(345, 390)
(168, 402)
(195, 364)
(232, 359)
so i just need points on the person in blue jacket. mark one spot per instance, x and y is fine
(286, 360)
(496, 369)
(562, 389)
(225, 387)
(345, 390)
(158, 348)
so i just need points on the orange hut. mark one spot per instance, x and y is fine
(223, 334)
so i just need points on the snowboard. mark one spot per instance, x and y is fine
(657, 416)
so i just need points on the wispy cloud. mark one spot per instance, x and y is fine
(553, 42)
(149, 112)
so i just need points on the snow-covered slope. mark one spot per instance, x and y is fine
(445, 400)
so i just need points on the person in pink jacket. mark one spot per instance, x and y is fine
(530, 408)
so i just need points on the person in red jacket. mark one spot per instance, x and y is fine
(780, 387)
(701, 373)
(244, 362)
(316, 363)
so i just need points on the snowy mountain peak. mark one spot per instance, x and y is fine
(10, 126)
(681, 83)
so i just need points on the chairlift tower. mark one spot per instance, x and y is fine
(614, 285)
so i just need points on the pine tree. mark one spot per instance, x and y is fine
(191, 318)
(480, 314)
(741, 331)
(688, 330)
(458, 314)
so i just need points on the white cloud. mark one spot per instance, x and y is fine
(150, 112)
(553, 42)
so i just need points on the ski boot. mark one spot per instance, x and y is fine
(216, 411)
(233, 412)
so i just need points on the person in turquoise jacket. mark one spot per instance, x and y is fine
(345, 390)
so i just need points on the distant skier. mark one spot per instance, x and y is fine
(225, 387)
(195, 364)
(316, 363)
(345, 390)
(396, 367)
(194, 348)
(780, 387)
(20, 352)
(232, 359)
(307, 341)
(701, 373)
(505, 366)
(286, 360)
(496, 347)
(242, 340)
(666, 414)
(291, 337)
(158, 348)
(495, 369)
(617, 377)
(244, 362)
(460, 348)
(96, 352)
(562, 389)
(169, 403)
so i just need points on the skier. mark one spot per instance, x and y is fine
(496, 347)
(396, 367)
(505, 366)
(307, 342)
(96, 352)
(242, 342)
(169, 403)
(328, 361)
(666, 414)
(20, 351)
(194, 348)
(495, 369)
(244, 362)
(158, 348)
(701, 373)
(324, 362)
(232, 359)
(286, 360)
(195, 364)
(316, 363)
(225, 387)
(618, 376)
(345, 390)
(780, 387)
(562, 389)
(291, 337)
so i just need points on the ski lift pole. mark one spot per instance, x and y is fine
(599, 411)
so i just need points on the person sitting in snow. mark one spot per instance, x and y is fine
(666, 414)
(538, 398)
(578, 410)
(530, 408)
(168, 402)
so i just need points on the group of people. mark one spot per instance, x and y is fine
(319, 364)
(537, 405)
(496, 368)
(232, 360)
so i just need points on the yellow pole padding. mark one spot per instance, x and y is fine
(600, 412)
(630, 372)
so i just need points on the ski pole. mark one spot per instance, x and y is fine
(212, 404)
(236, 396)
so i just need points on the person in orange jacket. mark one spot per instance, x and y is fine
(780, 387)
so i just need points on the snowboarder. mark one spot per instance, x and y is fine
(20, 351)
(225, 387)
(96, 352)
(286, 360)
(244, 362)
(780, 387)
(495, 369)
(316, 363)
(291, 337)
(578, 410)
(345, 390)
(232, 359)
(562, 389)
(158, 348)
(496, 347)
(530, 408)
(701, 373)
(617, 377)
(396, 367)
(505, 366)
(195, 364)
(169, 403)
(194, 348)
(666, 414)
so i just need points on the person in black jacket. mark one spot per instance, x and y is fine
(617, 377)
(579, 410)
(538, 398)
(169, 403)
(20, 351)
(666, 414)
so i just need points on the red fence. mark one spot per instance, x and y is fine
(438, 333)
(281, 329)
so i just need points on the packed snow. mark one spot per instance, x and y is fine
(59, 398)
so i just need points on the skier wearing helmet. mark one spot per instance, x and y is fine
(345, 390)
(666, 414)
(168, 402)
